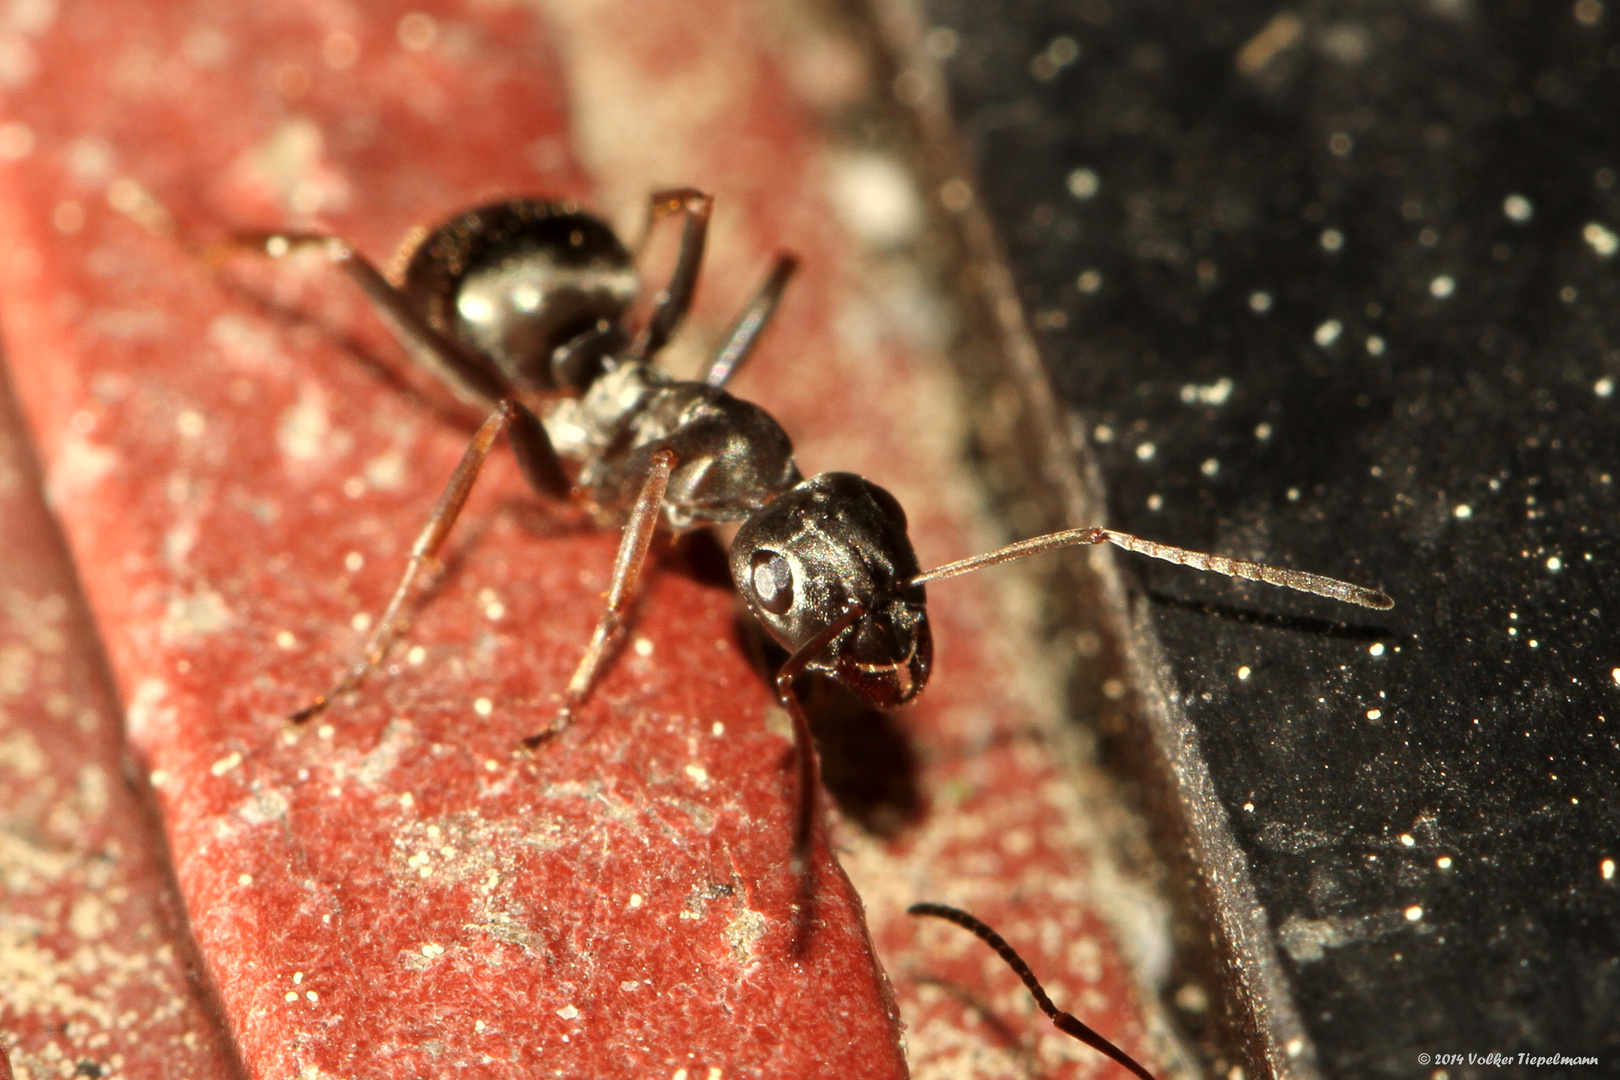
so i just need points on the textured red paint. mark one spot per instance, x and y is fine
(452, 906)
(398, 891)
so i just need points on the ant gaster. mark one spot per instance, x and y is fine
(520, 307)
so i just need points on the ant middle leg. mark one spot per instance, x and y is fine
(751, 323)
(472, 377)
(628, 565)
(521, 426)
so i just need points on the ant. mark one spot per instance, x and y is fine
(1065, 1022)
(521, 306)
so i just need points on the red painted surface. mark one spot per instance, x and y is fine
(394, 890)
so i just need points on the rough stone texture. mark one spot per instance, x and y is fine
(394, 889)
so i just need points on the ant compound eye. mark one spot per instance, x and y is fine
(772, 580)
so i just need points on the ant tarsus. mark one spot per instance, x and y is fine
(1065, 1022)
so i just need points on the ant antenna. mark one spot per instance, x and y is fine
(1298, 580)
(1067, 1023)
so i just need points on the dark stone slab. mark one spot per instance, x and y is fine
(1336, 289)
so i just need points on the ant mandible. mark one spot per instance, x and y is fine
(520, 306)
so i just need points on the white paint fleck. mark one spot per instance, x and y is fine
(416, 655)
(1376, 648)
(1606, 868)
(1603, 241)
(698, 773)
(1215, 393)
(1408, 840)
(1414, 913)
(226, 763)
(353, 561)
(1517, 208)
(643, 647)
(873, 197)
(1442, 286)
(635, 900)
(1084, 184)
(1375, 714)
(1462, 512)
(718, 729)
(190, 423)
(244, 879)
(1554, 563)
(1603, 387)
(1244, 672)
(1145, 451)
(1375, 345)
(1327, 333)
(1259, 302)
(483, 706)
(285, 639)
(1443, 862)
(302, 433)
(568, 1012)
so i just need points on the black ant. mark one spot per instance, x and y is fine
(1065, 1022)
(517, 304)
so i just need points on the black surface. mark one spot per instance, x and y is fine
(1495, 743)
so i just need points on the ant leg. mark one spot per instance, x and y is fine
(804, 747)
(473, 378)
(627, 567)
(740, 342)
(1067, 1023)
(424, 553)
(672, 303)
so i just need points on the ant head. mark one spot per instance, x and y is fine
(516, 281)
(829, 542)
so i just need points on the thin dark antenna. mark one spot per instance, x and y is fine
(1298, 580)
(1067, 1023)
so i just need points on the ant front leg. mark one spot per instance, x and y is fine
(676, 298)
(521, 426)
(473, 378)
(634, 545)
(751, 323)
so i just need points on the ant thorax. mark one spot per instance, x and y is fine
(734, 457)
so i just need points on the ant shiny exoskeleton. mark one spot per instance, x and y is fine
(520, 306)
(1065, 1022)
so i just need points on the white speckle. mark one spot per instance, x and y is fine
(698, 773)
(1375, 714)
(286, 640)
(158, 777)
(1588, 12)
(353, 561)
(1554, 563)
(1328, 332)
(312, 996)
(1376, 648)
(1606, 868)
(714, 1073)
(1215, 393)
(1244, 672)
(1332, 240)
(1155, 501)
(1084, 184)
(1603, 387)
(635, 900)
(1103, 434)
(416, 31)
(941, 42)
(1296, 1046)
(1414, 913)
(244, 879)
(298, 977)
(1340, 144)
(1259, 302)
(568, 1012)
(302, 433)
(1443, 862)
(386, 471)
(326, 731)
(226, 763)
(475, 308)
(643, 647)
(432, 949)
(495, 611)
(1568, 294)
(1517, 208)
(1089, 281)
(361, 621)
(1375, 345)
(1407, 840)
(1442, 286)
(679, 1074)
(291, 995)
(479, 1026)
(1262, 431)
(483, 706)
(873, 196)
(416, 655)
(1248, 808)
(1209, 467)
(718, 729)
(1604, 242)
(190, 423)
(1462, 511)
(1615, 675)
(1145, 451)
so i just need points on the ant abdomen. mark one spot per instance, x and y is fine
(517, 281)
